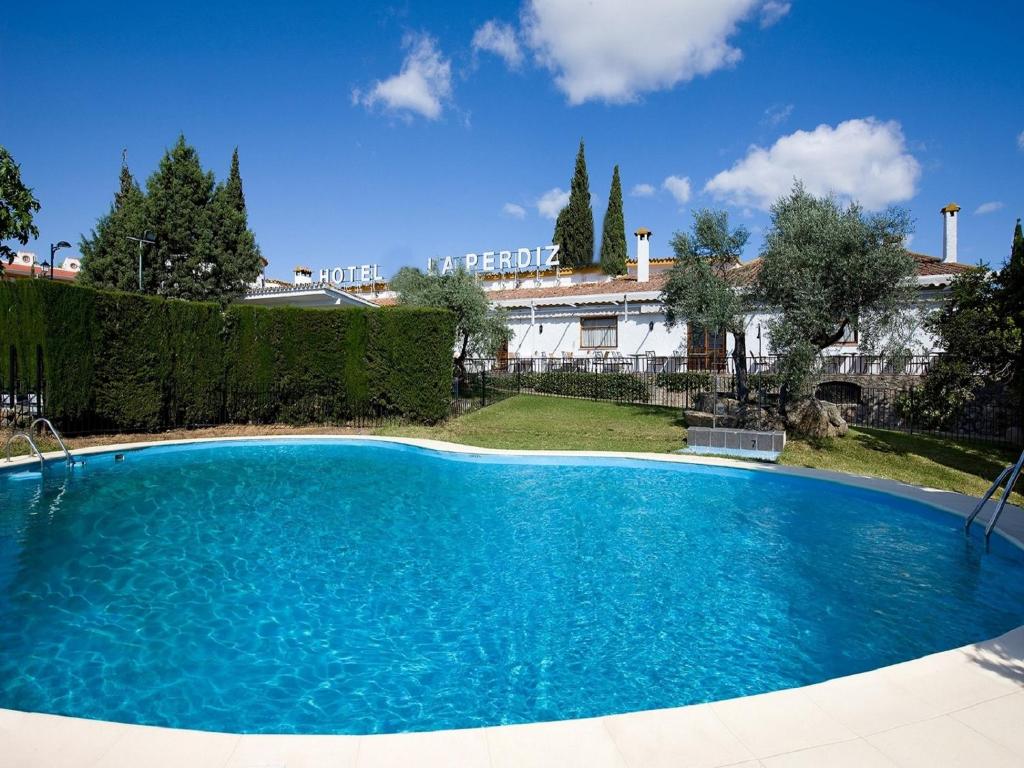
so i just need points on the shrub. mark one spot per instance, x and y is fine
(689, 381)
(127, 361)
(598, 386)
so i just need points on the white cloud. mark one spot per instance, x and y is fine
(863, 159)
(1020, 141)
(499, 39)
(642, 190)
(991, 207)
(772, 12)
(552, 202)
(614, 51)
(777, 114)
(678, 187)
(423, 85)
(513, 210)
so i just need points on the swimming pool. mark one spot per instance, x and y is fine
(339, 586)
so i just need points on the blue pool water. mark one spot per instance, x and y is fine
(333, 587)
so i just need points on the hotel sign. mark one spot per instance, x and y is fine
(359, 275)
(495, 262)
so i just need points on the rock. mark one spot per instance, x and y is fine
(815, 418)
(705, 419)
(753, 416)
(706, 402)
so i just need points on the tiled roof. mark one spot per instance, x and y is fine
(744, 274)
(24, 270)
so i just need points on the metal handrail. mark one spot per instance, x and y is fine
(31, 442)
(67, 454)
(988, 495)
(1006, 495)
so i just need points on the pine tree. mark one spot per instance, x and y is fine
(183, 262)
(109, 258)
(576, 232)
(613, 234)
(237, 254)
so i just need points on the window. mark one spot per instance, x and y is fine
(850, 335)
(599, 332)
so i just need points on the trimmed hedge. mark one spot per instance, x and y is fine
(139, 362)
(686, 381)
(598, 386)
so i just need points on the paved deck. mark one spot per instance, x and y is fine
(963, 707)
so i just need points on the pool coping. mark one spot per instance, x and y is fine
(960, 705)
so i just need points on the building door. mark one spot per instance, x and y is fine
(705, 349)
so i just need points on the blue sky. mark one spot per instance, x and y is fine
(382, 133)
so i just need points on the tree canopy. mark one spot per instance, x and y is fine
(613, 234)
(698, 289)
(829, 269)
(18, 206)
(480, 329)
(203, 250)
(574, 229)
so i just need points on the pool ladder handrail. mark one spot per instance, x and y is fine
(60, 441)
(1010, 475)
(27, 437)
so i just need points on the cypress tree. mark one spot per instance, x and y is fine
(613, 234)
(237, 254)
(109, 258)
(575, 232)
(1011, 293)
(179, 195)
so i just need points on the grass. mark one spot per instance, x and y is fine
(531, 421)
(554, 423)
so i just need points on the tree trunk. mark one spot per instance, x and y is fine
(460, 361)
(739, 358)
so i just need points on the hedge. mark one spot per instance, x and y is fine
(598, 386)
(131, 362)
(686, 381)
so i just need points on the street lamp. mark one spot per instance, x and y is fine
(53, 253)
(148, 238)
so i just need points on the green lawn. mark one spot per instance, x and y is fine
(531, 421)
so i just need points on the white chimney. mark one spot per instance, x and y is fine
(949, 233)
(643, 255)
(302, 276)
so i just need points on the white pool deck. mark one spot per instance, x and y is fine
(963, 707)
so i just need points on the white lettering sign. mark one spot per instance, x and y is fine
(364, 273)
(490, 262)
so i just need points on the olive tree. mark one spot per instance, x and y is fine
(828, 269)
(480, 329)
(699, 288)
(17, 207)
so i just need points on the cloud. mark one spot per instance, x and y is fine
(772, 12)
(642, 190)
(499, 39)
(991, 207)
(513, 210)
(552, 202)
(777, 114)
(678, 187)
(863, 159)
(1020, 141)
(423, 85)
(616, 51)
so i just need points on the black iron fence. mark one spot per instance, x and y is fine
(859, 385)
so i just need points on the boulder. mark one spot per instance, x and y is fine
(815, 418)
(753, 416)
(704, 419)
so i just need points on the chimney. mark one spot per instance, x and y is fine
(643, 255)
(949, 233)
(302, 276)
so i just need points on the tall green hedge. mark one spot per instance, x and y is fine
(138, 362)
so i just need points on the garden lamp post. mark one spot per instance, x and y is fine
(148, 238)
(53, 253)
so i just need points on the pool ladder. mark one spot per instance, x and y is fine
(1008, 478)
(27, 437)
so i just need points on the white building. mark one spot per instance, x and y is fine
(581, 312)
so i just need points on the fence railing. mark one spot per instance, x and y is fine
(601, 362)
